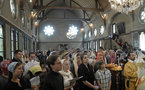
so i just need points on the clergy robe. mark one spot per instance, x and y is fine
(130, 73)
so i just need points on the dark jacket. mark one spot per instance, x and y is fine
(88, 75)
(25, 83)
(52, 81)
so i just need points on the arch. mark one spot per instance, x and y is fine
(110, 24)
(112, 19)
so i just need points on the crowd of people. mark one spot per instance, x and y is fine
(74, 69)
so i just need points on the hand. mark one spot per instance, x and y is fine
(72, 84)
(109, 89)
(95, 88)
(35, 87)
(95, 83)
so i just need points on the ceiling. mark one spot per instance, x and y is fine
(84, 9)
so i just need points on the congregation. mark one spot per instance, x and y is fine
(74, 69)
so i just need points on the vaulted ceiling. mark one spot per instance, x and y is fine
(83, 9)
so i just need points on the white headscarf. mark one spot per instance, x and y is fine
(12, 66)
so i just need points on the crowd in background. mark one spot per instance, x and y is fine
(73, 69)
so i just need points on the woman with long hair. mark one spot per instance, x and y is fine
(67, 75)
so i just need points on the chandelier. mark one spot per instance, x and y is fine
(125, 6)
(72, 32)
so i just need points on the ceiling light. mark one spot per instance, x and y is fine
(82, 29)
(91, 25)
(125, 6)
(30, 1)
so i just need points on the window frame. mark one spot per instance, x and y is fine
(141, 41)
(12, 29)
(17, 39)
(4, 39)
(113, 28)
(101, 29)
(15, 14)
(139, 15)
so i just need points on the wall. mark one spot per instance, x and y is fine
(133, 27)
(9, 21)
(61, 26)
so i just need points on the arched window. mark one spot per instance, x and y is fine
(95, 32)
(12, 43)
(49, 30)
(1, 41)
(13, 7)
(142, 15)
(102, 29)
(142, 41)
(72, 32)
(114, 28)
(100, 43)
(17, 40)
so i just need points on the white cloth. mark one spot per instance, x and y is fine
(67, 77)
(29, 65)
(140, 64)
(131, 61)
(35, 80)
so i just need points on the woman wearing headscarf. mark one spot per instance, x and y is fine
(75, 65)
(15, 81)
(74, 68)
(100, 55)
(112, 56)
(67, 75)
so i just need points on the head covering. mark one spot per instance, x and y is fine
(63, 55)
(35, 69)
(140, 57)
(75, 65)
(29, 65)
(52, 53)
(112, 56)
(62, 61)
(12, 66)
(4, 66)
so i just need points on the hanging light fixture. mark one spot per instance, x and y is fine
(36, 23)
(82, 29)
(125, 6)
(30, 1)
(72, 32)
(91, 25)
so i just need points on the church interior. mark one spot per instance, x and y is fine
(112, 31)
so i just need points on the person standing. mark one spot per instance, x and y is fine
(130, 72)
(67, 75)
(86, 70)
(103, 76)
(53, 80)
(15, 81)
